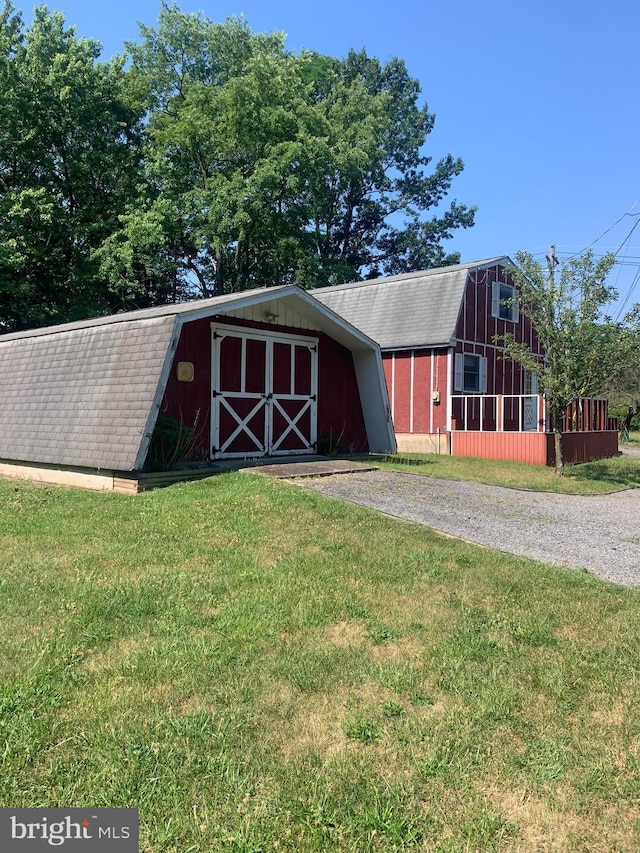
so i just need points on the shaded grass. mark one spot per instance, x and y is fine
(258, 668)
(633, 441)
(588, 478)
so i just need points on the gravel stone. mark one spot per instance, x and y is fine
(598, 533)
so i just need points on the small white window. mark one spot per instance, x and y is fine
(504, 302)
(530, 382)
(470, 374)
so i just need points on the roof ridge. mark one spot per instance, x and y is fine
(410, 276)
(151, 313)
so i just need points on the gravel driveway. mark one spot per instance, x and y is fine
(601, 534)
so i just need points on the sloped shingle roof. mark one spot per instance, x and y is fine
(418, 309)
(81, 397)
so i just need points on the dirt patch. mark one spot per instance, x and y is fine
(345, 634)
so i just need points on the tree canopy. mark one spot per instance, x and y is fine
(583, 348)
(210, 160)
(68, 161)
(623, 387)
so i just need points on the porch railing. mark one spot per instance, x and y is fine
(525, 413)
(498, 412)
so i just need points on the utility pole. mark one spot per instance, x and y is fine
(553, 262)
(556, 416)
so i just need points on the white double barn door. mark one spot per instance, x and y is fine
(264, 388)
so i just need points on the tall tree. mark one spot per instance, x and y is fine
(218, 210)
(581, 346)
(623, 387)
(68, 160)
(371, 192)
(265, 168)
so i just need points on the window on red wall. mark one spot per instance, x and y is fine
(504, 302)
(470, 374)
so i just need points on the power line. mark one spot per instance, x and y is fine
(610, 228)
(625, 261)
(629, 292)
(635, 225)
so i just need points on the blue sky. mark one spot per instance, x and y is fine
(539, 99)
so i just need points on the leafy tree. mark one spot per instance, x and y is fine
(218, 210)
(263, 167)
(582, 347)
(623, 388)
(370, 190)
(68, 160)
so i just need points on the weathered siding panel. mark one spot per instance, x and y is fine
(190, 402)
(421, 369)
(440, 383)
(402, 391)
(584, 446)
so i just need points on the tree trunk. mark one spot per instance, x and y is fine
(631, 413)
(557, 442)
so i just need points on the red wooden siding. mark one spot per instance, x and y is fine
(477, 327)
(412, 376)
(340, 415)
(402, 401)
(534, 448)
(421, 370)
(476, 323)
(339, 410)
(440, 363)
(186, 400)
(513, 446)
(584, 446)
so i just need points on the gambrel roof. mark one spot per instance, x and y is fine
(418, 309)
(87, 394)
(81, 396)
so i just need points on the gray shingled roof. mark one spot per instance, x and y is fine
(174, 309)
(82, 396)
(418, 309)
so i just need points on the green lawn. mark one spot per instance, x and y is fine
(634, 440)
(259, 668)
(602, 476)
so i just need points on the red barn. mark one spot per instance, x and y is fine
(451, 390)
(268, 372)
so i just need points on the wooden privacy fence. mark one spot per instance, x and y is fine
(588, 414)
